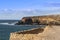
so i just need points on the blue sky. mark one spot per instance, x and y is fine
(16, 9)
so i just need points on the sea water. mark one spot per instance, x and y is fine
(7, 26)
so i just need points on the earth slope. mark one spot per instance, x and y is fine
(48, 33)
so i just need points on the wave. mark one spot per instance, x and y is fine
(7, 23)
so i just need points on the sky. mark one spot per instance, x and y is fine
(16, 9)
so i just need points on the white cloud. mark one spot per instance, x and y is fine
(18, 13)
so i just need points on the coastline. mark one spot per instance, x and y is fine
(45, 28)
(49, 33)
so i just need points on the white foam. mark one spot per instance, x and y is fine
(7, 23)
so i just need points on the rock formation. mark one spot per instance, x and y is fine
(48, 33)
(43, 20)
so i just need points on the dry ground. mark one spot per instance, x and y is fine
(49, 33)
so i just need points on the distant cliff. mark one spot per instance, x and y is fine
(43, 20)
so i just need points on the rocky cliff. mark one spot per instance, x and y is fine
(48, 19)
(48, 33)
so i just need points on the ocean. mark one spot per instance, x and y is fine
(7, 26)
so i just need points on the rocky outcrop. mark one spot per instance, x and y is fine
(43, 20)
(48, 33)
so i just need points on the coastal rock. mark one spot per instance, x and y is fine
(48, 33)
(40, 20)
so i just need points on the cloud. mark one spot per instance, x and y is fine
(53, 4)
(18, 14)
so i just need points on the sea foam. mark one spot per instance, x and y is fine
(7, 23)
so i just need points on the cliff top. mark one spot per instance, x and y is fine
(44, 16)
(32, 31)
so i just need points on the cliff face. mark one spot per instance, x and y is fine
(50, 19)
(48, 33)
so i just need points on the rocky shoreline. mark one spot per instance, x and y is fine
(40, 20)
(50, 32)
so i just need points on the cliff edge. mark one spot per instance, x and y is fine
(48, 33)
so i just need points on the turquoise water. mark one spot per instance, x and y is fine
(6, 29)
